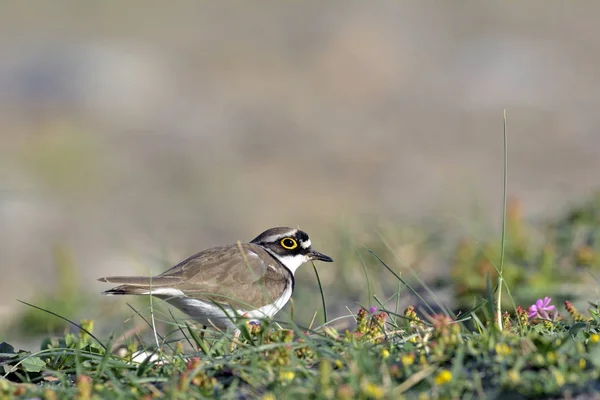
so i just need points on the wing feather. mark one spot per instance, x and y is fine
(142, 281)
(220, 274)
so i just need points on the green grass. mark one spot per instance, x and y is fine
(433, 357)
(431, 350)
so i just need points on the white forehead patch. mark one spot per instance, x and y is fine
(306, 245)
(276, 238)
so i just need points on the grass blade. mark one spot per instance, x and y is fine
(401, 280)
(322, 293)
(105, 357)
(67, 320)
(503, 239)
(200, 342)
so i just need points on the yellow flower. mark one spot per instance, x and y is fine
(407, 359)
(4, 386)
(179, 348)
(49, 395)
(582, 363)
(514, 376)
(286, 376)
(538, 359)
(559, 378)
(502, 349)
(268, 396)
(385, 353)
(373, 391)
(443, 377)
(551, 357)
(594, 338)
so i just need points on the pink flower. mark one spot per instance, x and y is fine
(542, 309)
(372, 310)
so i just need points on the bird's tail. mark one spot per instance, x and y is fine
(140, 284)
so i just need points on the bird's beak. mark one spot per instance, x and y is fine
(315, 255)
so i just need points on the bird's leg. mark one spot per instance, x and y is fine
(202, 333)
(236, 336)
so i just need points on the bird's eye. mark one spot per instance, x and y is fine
(289, 243)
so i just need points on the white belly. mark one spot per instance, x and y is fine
(209, 314)
(271, 309)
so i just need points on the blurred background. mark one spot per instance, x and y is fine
(135, 134)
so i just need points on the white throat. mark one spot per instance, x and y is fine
(291, 262)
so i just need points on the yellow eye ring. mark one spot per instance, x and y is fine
(288, 243)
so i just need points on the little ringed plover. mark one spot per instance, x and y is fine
(253, 280)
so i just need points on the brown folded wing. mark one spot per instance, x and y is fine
(225, 275)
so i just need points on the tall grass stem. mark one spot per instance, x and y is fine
(503, 239)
